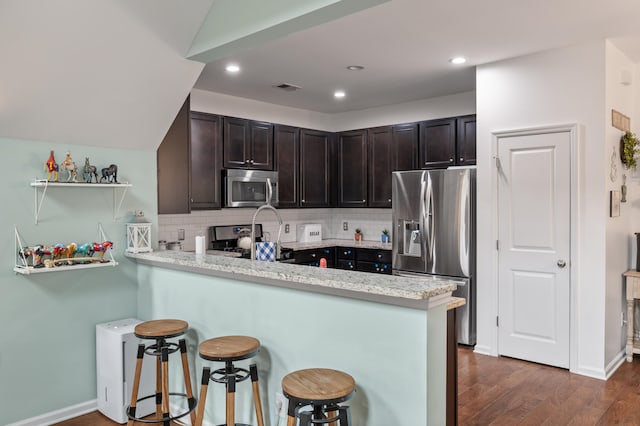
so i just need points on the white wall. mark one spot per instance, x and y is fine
(426, 109)
(553, 87)
(619, 230)
(217, 103)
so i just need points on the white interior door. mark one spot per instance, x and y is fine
(534, 195)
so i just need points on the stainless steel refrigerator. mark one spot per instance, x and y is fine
(434, 233)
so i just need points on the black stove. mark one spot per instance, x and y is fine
(225, 238)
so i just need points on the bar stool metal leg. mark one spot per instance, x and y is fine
(136, 384)
(165, 386)
(206, 375)
(158, 386)
(187, 377)
(231, 398)
(253, 370)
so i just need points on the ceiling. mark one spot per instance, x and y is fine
(405, 47)
(114, 73)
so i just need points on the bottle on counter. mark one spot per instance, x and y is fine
(323, 262)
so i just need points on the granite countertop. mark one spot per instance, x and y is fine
(337, 243)
(397, 290)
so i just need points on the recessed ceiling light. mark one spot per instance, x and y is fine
(458, 60)
(232, 68)
(355, 67)
(339, 94)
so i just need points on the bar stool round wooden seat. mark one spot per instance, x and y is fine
(228, 349)
(160, 331)
(323, 390)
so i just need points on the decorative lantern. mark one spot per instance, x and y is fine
(139, 234)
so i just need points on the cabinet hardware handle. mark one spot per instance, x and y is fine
(389, 200)
(461, 159)
(451, 160)
(302, 201)
(364, 201)
(561, 263)
(251, 161)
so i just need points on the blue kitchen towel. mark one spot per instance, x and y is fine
(266, 251)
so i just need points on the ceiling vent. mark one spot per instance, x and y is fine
(288, 87)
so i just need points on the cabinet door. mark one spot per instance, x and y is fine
(261, 141)
(405, 146)
(352, 169)
(466, 141)
(381, 150)
(173, 166)
(236, 143)
(437, 143)
(206, 161)
(287, 148)
(315, 168)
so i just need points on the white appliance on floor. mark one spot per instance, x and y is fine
(116, 351)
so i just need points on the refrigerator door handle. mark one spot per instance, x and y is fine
(430, 221)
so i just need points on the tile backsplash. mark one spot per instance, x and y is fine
(370, 221)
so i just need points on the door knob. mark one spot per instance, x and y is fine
(561, 263)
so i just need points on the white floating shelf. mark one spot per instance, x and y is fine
(28, 270)
(45, 184)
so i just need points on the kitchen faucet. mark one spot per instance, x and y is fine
(253, 230)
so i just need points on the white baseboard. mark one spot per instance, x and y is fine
(617, 361)
(59, 415)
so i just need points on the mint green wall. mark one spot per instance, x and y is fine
(396, 355)
(47, 337)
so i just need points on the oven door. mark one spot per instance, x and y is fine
(250, 188)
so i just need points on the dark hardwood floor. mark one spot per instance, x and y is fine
(505, 391)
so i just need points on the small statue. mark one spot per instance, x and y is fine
(70, 167)
(102, 248)
(51, 167)
(110, 174)
(89, 171)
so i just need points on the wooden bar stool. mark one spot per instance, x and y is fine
(228, 349)
(322, 390)
(160, 331)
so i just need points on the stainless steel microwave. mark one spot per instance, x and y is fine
(250, 188)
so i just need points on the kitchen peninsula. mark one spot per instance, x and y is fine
(389, 332)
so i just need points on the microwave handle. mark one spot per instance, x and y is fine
(269, 191)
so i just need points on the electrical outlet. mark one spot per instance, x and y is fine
(180, 234)
(286, 228)
(345, 226)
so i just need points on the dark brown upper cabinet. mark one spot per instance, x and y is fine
(448, 142)
(466, 140)
(206, 161)
(287, 162)
(391, 148)
(438, 143)
(247, 144)
(315, 168)
(173, 165)
(352, 168)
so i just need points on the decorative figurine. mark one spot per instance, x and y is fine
(71, 251)
(102, 248)
(58, 250)
(70, 167)
(85, 249)
(89, 170)
(51, 167)
(110, 174)
(38, 252)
